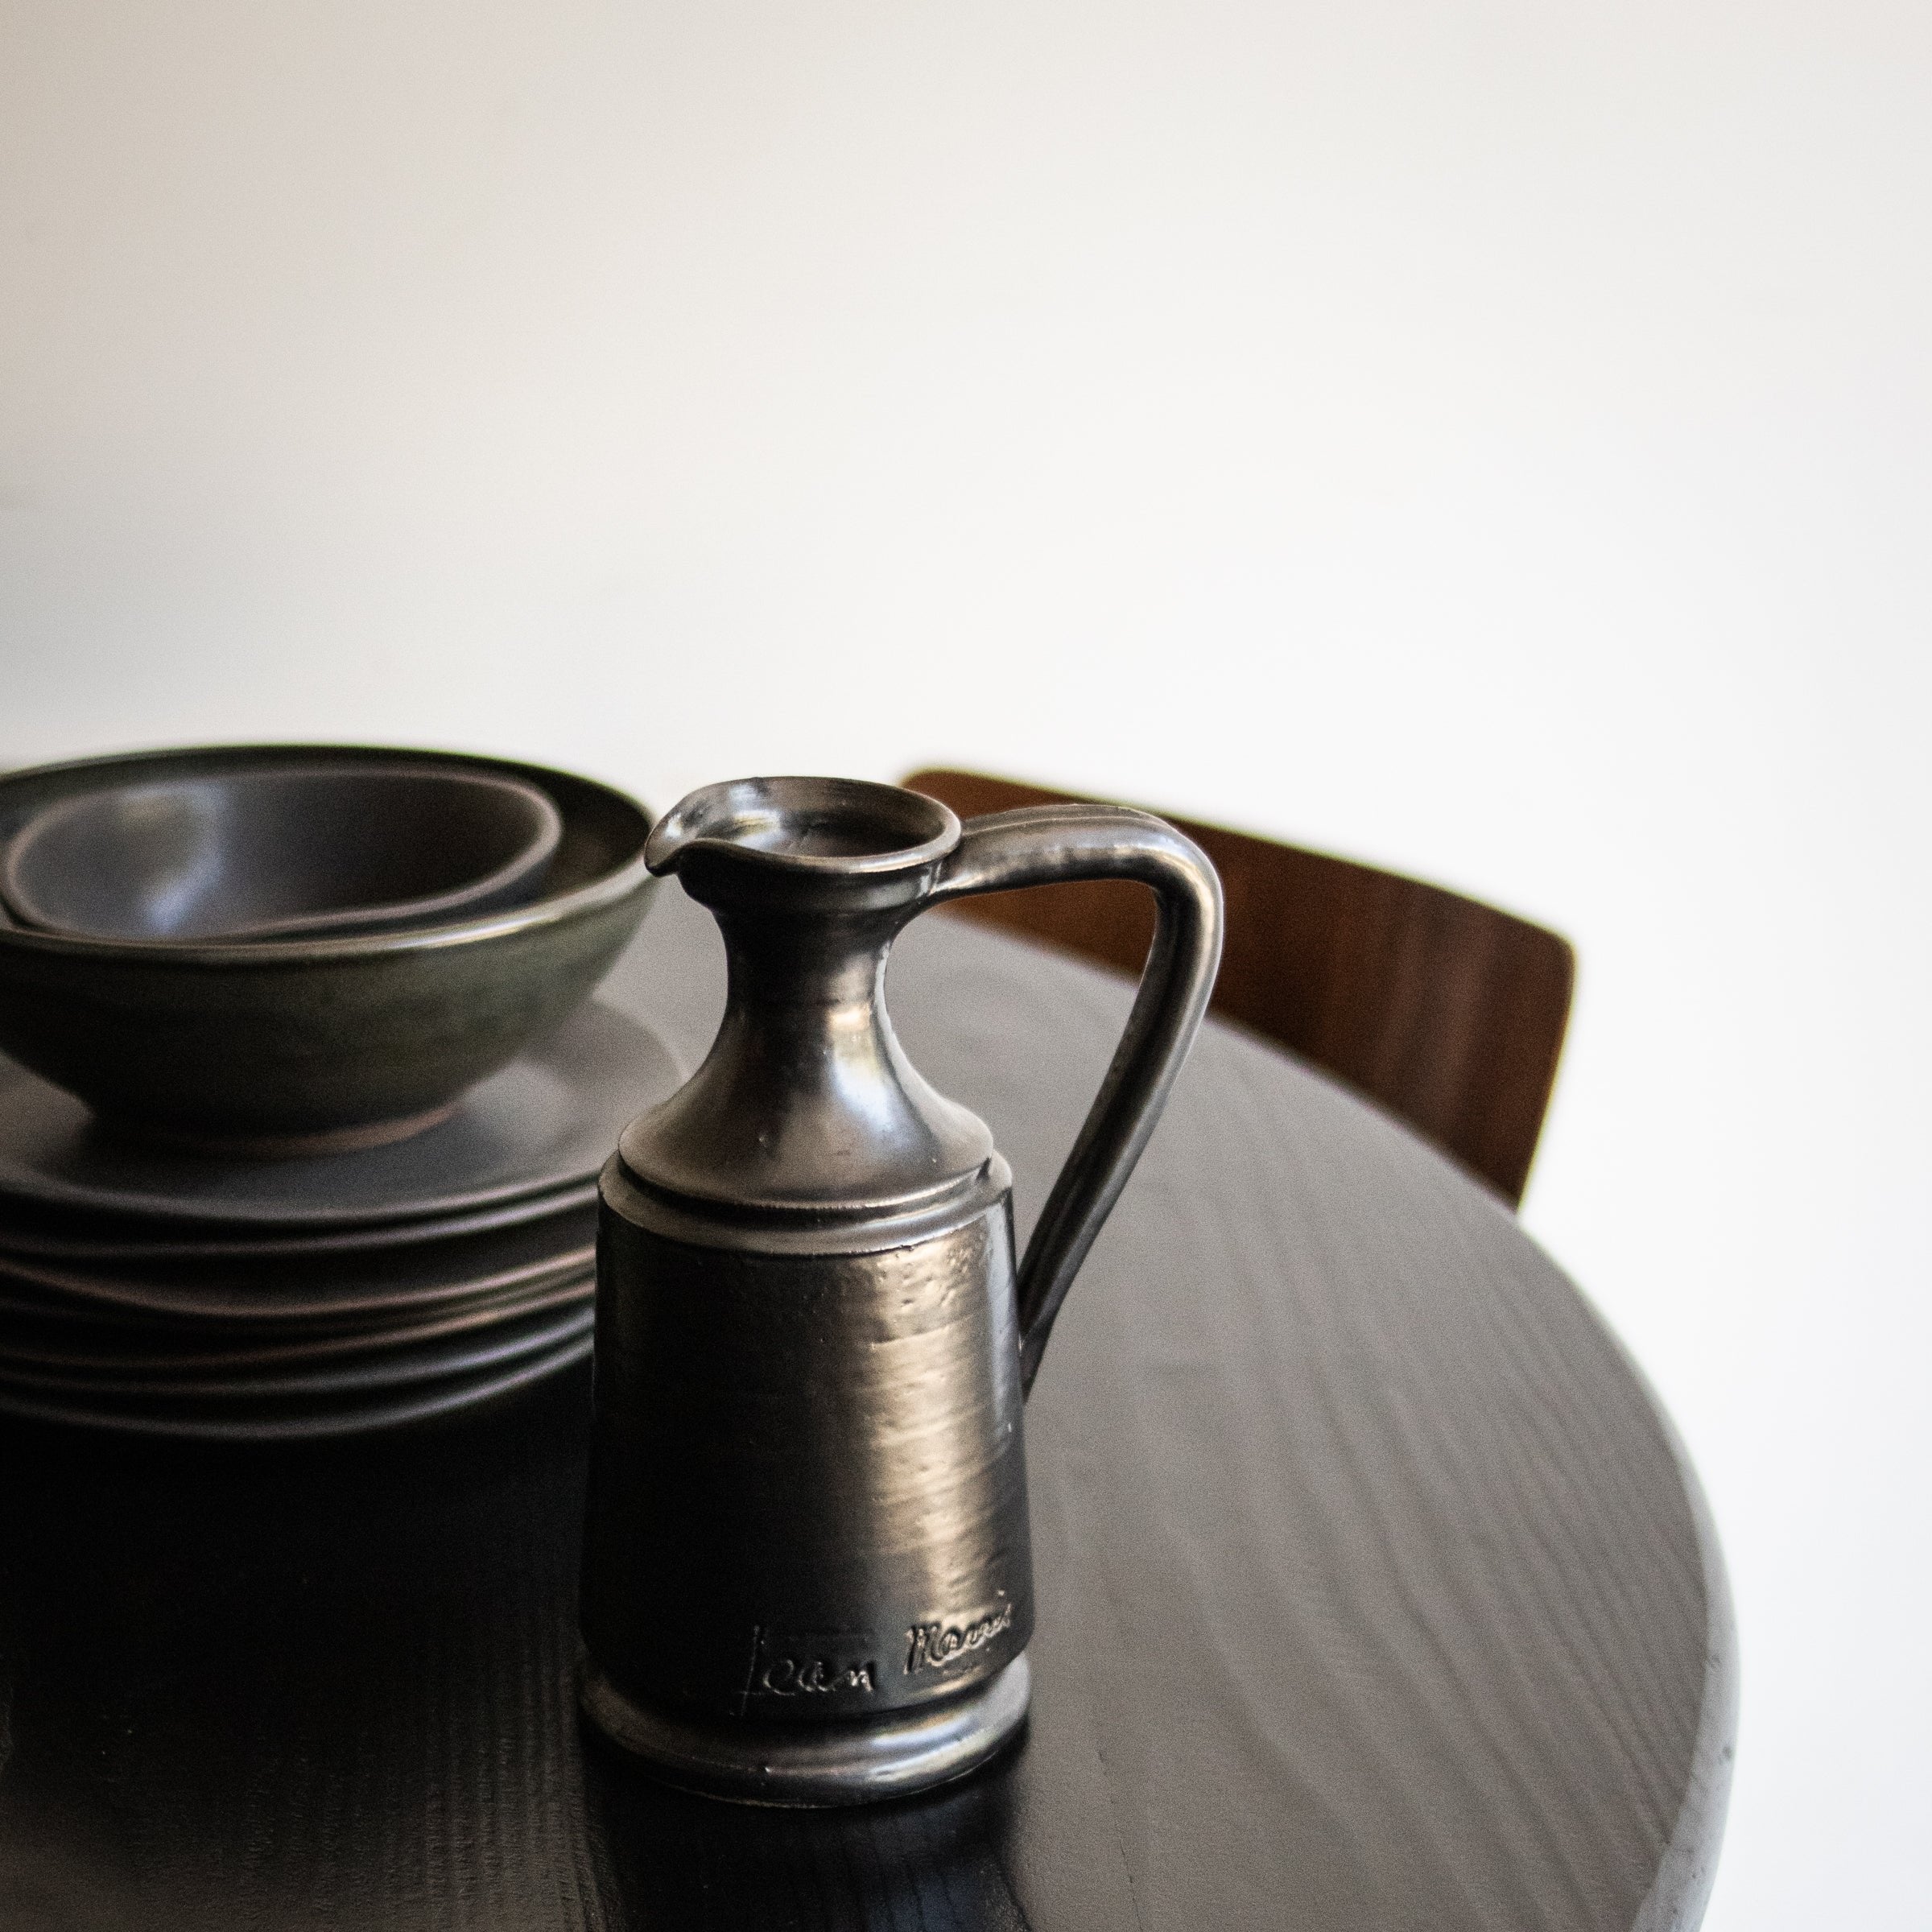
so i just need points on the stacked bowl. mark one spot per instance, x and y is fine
(304, 1097)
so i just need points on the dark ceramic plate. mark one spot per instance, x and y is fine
(181, 1360)
(52, 1235)
(298, 1421)
(305, 1376)
(371, 1290)
(546, 1121)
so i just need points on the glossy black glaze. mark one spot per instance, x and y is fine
(807, 1503)
(808, 1498)
(271, 1047)
(276, 851)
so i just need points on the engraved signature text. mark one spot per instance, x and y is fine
(929, 1646)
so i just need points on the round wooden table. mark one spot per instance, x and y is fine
(1374, 1590)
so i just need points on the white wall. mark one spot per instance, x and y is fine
(1489, 436)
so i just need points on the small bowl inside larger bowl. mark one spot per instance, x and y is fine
(298, 1044)
(280, 850)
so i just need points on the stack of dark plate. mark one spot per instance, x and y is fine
(257, 1269)
(164, 1292)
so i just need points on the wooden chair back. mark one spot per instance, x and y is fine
(1448, 1013)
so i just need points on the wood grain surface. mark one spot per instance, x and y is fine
(1374, 1590)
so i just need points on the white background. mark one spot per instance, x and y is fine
(1489, 437)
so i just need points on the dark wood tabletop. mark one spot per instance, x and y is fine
(1374, 1590)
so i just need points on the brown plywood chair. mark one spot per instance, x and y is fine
(1448, 1013)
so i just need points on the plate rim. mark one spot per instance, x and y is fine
(42, 1192)
(373, 1418)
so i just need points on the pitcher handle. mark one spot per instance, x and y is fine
(1044, 845)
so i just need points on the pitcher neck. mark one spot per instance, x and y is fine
(807, 1103)
(808, 962)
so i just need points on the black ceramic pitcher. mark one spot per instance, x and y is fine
(806, 1572)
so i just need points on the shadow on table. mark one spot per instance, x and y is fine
(683, 1863)
(279, 1687)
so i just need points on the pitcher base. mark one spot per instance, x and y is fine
(846, 1764)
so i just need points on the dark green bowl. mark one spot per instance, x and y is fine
(293, 1045)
